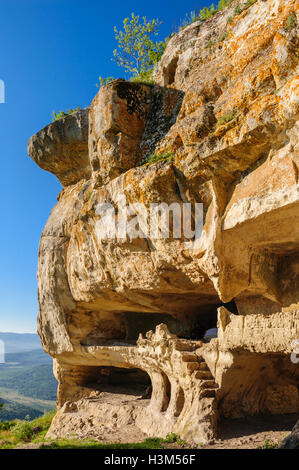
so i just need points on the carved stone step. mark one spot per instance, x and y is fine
(191, 366)
(189, 357)
(203, 374)
(209, 384)
(208, 393)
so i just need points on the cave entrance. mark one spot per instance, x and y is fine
(192, 326)
(114, 380)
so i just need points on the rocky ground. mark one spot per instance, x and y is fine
(254, 432)
(249, 433)
(234, 434)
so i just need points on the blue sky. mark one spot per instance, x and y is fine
(52, 53)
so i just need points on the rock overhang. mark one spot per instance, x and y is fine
(228, 113)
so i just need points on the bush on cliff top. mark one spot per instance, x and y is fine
(62, 114)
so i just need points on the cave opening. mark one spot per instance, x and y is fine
(193, 326)
(115, 380)
(169, 74)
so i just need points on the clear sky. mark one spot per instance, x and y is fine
(52, 53)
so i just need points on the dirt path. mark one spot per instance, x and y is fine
(253, 432)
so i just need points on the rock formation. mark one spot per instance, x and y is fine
(225, 108)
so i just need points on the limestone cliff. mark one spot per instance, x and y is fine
(225, 107)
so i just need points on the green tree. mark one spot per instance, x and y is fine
(137, 52)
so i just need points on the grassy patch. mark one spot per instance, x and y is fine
(15, 433)
(104, 81)
(269, 445)
(226, 117)
(150, 443)
(291, 22)
(204, 14)
(209, 44)
(20, 433)
(62, 114)
(144, 78)
(172, 438)
(154, 157)
(238, 10)
(222, 37)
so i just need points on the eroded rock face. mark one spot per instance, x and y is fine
(292, 441)
(226, 107)
(61, 148)
(117, 120)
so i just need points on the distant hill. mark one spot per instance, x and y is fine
(20, 342)
(35, 357)
(27, 383)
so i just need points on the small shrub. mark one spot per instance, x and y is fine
(222, 4)
(210, 43)
(88, 196)
(291, 22)
(44, 421)
(172, 438)
(154, 157)
(26, 430)
(7, 425)
(248, 4)
(238, 10)
(204, 14)
(190, 18)
(275, 92)
(222, 37)
(230, 19)
(104, 81)
(269, 445)
(62, 114)
(22, 431)
(226, 117)
(145, 78)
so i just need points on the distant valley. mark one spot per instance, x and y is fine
(27, 383)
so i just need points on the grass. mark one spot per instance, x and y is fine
(222, 37)
(88, 196)
(269, 445)
(19, 433)
(210, 43)
(238, 10)
(150, 443)
(144, 78)
(104, 81)
(172, 438)
(275, 92)
(15, 433)
(62, 114)
(204, 14)
(154, 157)
(226, 117)
(291, 22)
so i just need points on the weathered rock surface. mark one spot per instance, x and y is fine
(62, 148)
(117, 120)
(226, 106)
(292, 441)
